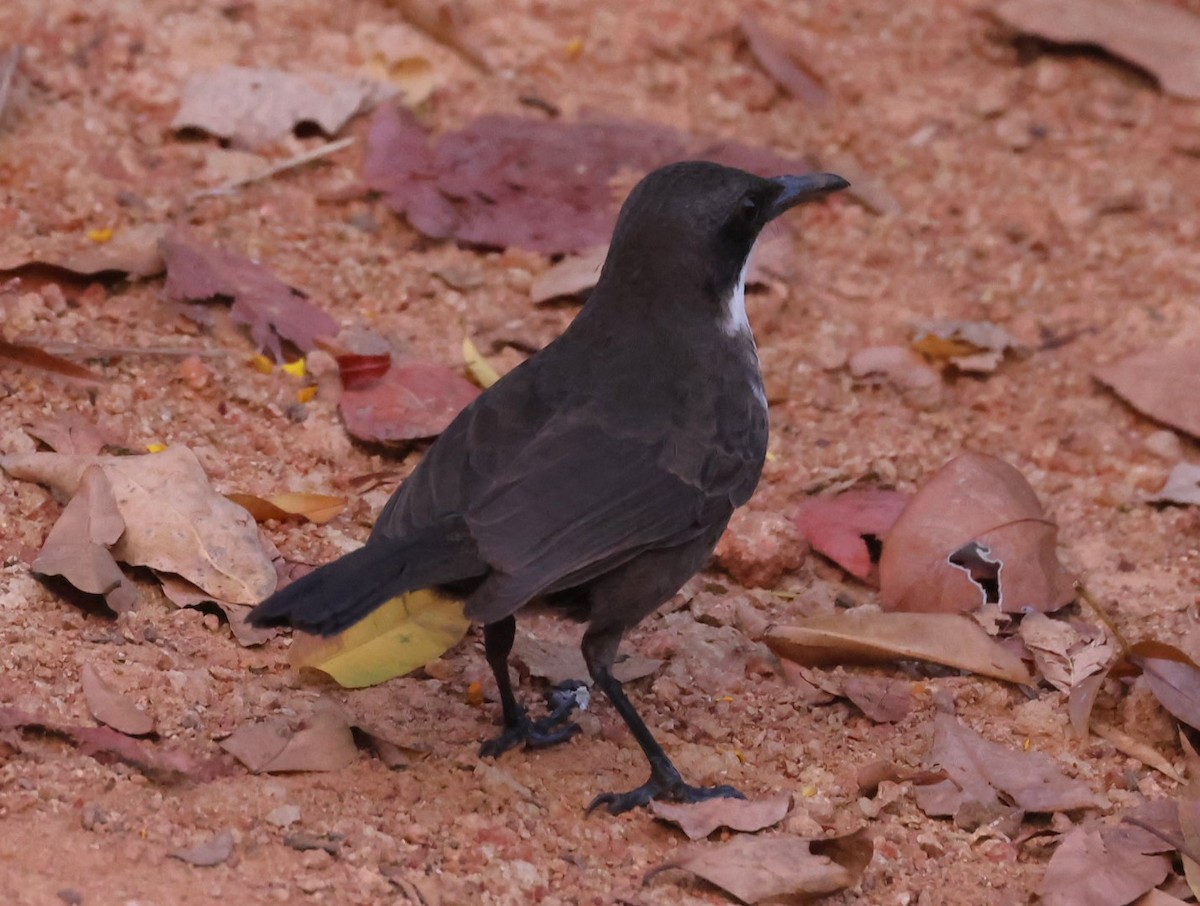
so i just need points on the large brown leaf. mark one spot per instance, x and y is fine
(975, 534)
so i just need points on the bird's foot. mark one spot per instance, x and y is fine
(548, 731)
(661, 785)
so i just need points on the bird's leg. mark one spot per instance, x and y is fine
(599, 651)
(518, 728)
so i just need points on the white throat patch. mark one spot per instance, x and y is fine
(735, 321)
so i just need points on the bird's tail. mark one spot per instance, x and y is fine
(339, 594)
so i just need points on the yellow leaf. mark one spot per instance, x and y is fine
(296, 368)
(405, 633)
(485, 375)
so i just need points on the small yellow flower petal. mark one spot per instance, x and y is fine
(296, 368)
(100, 235)
(261, 363)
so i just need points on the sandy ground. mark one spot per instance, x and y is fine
(1056, 194)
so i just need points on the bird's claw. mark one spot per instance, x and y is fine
(671, 789)
(547, 731)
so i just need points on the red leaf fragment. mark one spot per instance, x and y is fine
(412, 400)
(358, 372)
(836, 526)
(36, 359)
(273, 311)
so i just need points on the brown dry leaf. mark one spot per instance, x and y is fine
(442, 21)
(207, 853)
(132, 251)
(273, 311)
(1172, 676)
(323, 743)
(1064, 656)
(699, 819)
(72, 433)
(110, 707)
(573, 276)
(1183, 486)
(1159, 37)
(855, 637)
(254, 107)
(412, 400)
(979, 770)
(975, 534)
(558, 662)
(174, 520)
(318, 508)
(755, 869)
(182, 593)
(781, 61)
(880, 698)
(836, 526)
(919, 384)
(78, 546)
(1161, 383)
(974, 346)
(32, 357)
(1089, 870)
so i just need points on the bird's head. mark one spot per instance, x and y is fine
(688, 229)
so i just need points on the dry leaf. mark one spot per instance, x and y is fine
(318, 508)
(442, 21)
(72, 433)
(273, 310)
(1161, 383)
(110, 707)
(132, 251)
(699, 819)
(174, 520)
(1159, 37)
(781, 62)
(1183, 486)
(975, 534)
(1086, 871)
(78, 546)
(405, 633)
(919, 384)
(754, 869)
(973, 346)
(323, 743)
(979, 770)
(412, 400)
(253, 107)
(882, 699)
(836, 526)
(1172, 676)
(208, 853)
(855, 637)
(35, 359)
(1064, 657)
(573, 276)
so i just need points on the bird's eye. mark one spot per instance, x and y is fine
(750, 207)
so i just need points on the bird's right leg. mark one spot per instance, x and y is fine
(519, 729)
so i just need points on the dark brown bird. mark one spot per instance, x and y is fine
(599, 474)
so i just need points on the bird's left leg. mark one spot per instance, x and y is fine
(519, 729)
(599, 651)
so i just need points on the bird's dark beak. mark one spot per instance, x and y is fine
(803, 188)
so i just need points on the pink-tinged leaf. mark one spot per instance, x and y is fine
(974, 535)
(1172, 676)
(110, 707)
(699, 819)
(324, 743)
(207, 853)
(781, 61)
(72, 433)
(757, 869)
(412, 400)
(132, 251)
(1086, 870)
(274, 311)
(506, 181)
(882, 699)
(1161, 38)
(1161, 383)
(837, 526)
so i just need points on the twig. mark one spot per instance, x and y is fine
(1166, 836)
(8, 67)
(291, 163)
(1104, 617)
(76, 350)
